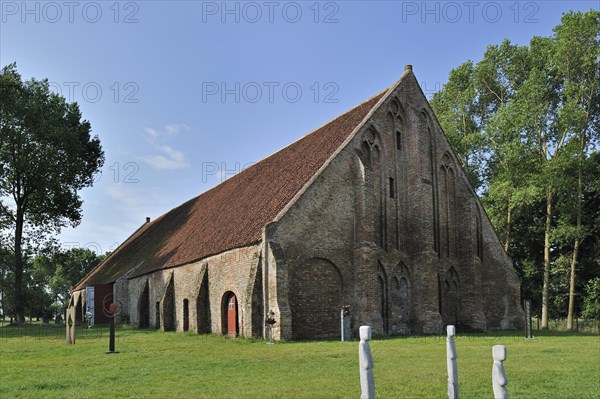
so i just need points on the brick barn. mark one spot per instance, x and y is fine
(371, 210)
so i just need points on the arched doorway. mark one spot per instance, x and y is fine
(203, 307)
(144, 308)
(229, 315)
(79, 311)
(168, 306)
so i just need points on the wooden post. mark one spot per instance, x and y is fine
(528, 323)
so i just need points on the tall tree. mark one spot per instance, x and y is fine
(577, 60)
(499, 76)
(46, 156)
(535, 112)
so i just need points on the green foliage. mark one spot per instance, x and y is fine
(455, 108)
(59, 271)
(47, 281)
(591, 304)
(47, 155)
(525, 122)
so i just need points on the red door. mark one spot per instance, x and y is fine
(232, 316)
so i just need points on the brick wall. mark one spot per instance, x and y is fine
(203, 284)
(393, 206)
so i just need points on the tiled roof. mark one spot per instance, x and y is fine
(232, 214)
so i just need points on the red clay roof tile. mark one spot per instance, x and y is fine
(232, 214)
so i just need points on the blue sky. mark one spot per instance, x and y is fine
(184, 94)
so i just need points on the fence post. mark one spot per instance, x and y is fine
(451, 363)
(528, 323)
(70, 325)
(499, 380)
(365, 361)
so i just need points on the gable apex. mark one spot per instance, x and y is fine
(382, 98)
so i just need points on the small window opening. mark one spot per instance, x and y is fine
(157, 316)
(186, 315)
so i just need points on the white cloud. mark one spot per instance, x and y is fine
(176, 128)
(160, 162)
(151, 132)
(167, 158)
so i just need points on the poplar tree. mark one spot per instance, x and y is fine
(535, 113)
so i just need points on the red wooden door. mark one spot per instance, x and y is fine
(232, 316)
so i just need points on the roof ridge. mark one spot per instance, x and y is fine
(233, 213)
(255, 164)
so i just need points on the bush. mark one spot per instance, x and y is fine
(591, 302)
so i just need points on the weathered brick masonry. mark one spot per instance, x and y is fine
(371, 210)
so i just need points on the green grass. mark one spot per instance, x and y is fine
(35, 362)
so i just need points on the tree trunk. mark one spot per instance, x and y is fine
(575, 250)
(2, 279)
(508, 226)
(572, 286)
(19, 291)
(546, 286)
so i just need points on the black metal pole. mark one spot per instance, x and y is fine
(111, 345)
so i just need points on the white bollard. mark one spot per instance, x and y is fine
(451, 363)
(365, 361)
(499, 380)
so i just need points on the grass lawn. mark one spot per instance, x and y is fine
(35, 362)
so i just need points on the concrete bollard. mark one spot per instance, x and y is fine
(499, 380)
(365, 361)
(451, 363)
